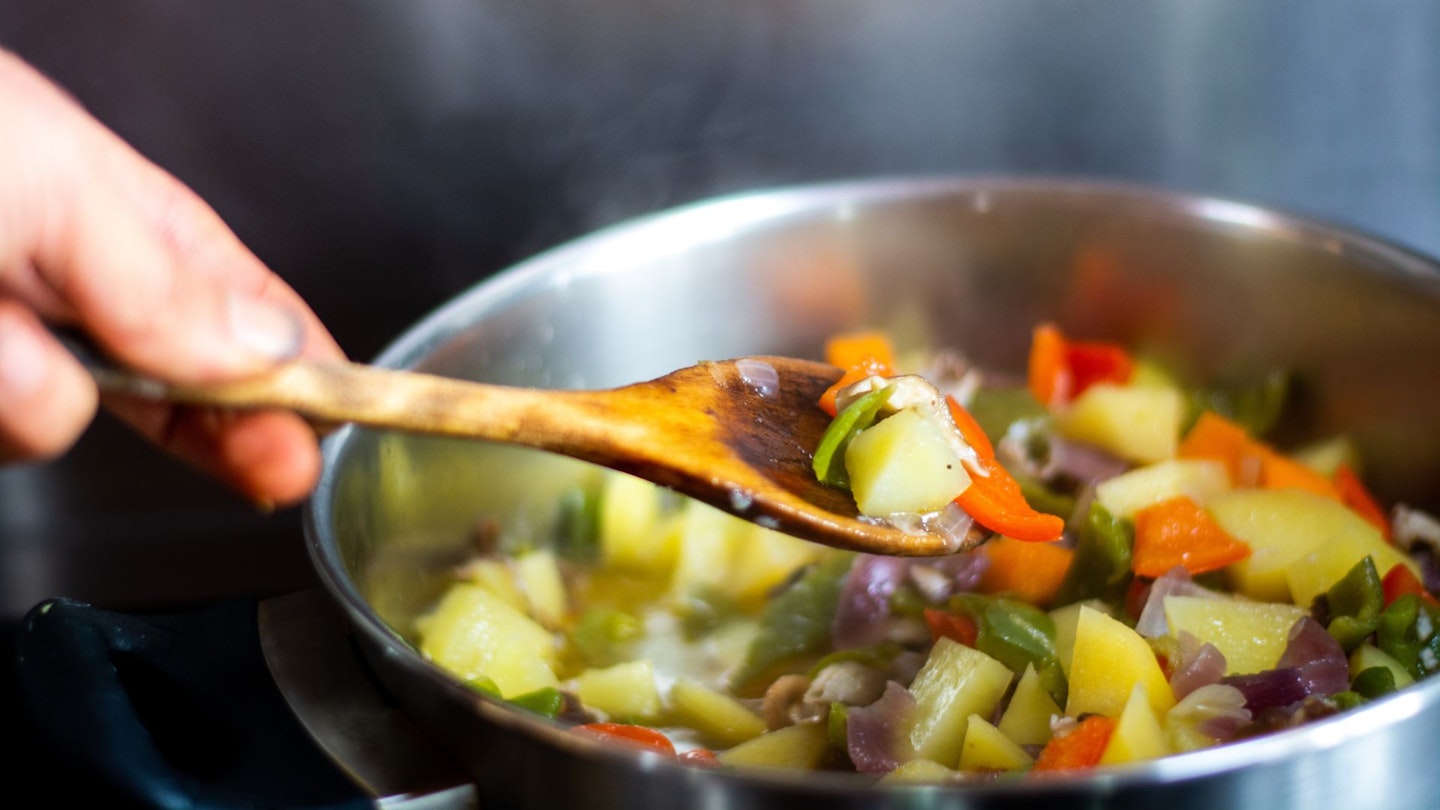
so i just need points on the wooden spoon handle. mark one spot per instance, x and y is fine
(335, 392)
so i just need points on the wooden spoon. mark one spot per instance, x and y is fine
(724, 432)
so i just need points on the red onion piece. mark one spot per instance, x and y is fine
(1201, 664)
(874, 733)
(1324, 670)
(864, 607)
(1273, 688)
(964, 570)
(1080, 462)
(1216, 711)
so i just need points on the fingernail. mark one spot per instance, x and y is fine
(22, 361)
(265, 329)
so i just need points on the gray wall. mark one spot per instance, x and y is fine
(385, 155)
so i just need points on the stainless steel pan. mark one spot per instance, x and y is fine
(970, 263)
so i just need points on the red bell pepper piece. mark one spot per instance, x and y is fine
(647, 739)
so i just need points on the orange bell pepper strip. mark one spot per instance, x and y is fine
(1400, 580)
(955, 626)
(1030, 572)
(647, 739)
(1278, 471)
(860, 355)
(1216, 438)
(1250, 461)
(1078, 749)
(970, 429)
(1354, 494)
(1179, 531)
(996, 502)
(1048, 373)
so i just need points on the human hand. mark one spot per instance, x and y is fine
(94, 236)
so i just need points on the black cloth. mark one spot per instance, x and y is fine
(174, 710)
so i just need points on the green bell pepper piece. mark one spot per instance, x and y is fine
(829, 460)
(1355, 603)
(796, 623)
(996, 409)
(837, 726)
(577, 529)
(1017, 634)
(1255, 404)
(1373, 682)
(1100, 568)
(1407, 632)
(546, 701)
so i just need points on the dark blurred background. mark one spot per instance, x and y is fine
(383, 156)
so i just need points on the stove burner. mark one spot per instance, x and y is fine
(307, 646)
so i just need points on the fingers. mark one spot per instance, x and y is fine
(46, 398)
(94, 235)
(270, 457)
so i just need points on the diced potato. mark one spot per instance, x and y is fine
(1368, 655)
(904, 463)
(763, 559)
(1251, 635)
(1283, 525)
(474, 633)
(1027, 718)
(1066, 618)
(1136, 423)
(544, 589)
(632, 533)
(986, 748)
(920, 771)
(498, 577)
(1129, 492)
(955, 682)
(1110, 659)
(625, 691)
(707, 550)
(1138, 734)
(1312, 574)
(803, 747)
(721, 720)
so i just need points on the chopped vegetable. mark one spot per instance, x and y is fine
(906, 463)
(796, 623)
(860, 355)
(1354, 604)
(959, 627)
(996, 502)
(1400, 580)
(1101, 566)
(1030, 572)
(1052, 383)
(1078, 748)
(1138, 589)
(647, 739)
(1178, 532)
(1409, 632)
(829, 461)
